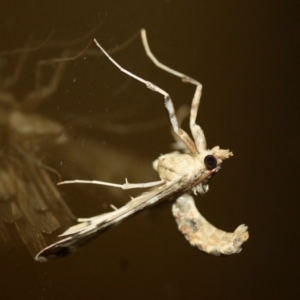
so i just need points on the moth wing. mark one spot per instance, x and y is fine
(89, 229)
(29, 200)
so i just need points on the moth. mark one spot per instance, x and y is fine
(28, 198)
(182, 173)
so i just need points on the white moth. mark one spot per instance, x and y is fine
(181, 173)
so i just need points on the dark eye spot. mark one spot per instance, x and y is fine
(210, 162)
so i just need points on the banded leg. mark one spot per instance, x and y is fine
(196, 130)
(168, 102)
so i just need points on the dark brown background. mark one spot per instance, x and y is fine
(244, 53)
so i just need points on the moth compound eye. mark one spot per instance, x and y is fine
(210, 162)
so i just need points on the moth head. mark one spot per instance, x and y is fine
(212, 160)
(219, 154)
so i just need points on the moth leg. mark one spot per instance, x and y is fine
(202, 234)
(181, 114)
(13, 78)
(6, 97)
(125, 186)
(196, 130)
(24, 52)
(34, 98)
(168, 102)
